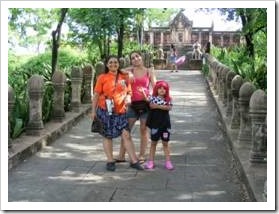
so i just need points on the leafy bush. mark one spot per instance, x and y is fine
(238, 60)
(22, 68)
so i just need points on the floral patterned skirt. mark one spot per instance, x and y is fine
(113, 124)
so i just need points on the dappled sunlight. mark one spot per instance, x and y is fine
(184, 197)
(210, 193)
(68, 175)
(61, 155)
(84, 147)
(77, 137)
(180, 121)
(198, 148)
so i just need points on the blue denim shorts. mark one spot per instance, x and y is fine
(131, 113)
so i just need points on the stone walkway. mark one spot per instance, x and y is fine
(72, 169)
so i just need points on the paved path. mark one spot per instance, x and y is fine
(72, 169)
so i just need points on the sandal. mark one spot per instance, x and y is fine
(136, 166)
(120, 161)
(142, 160)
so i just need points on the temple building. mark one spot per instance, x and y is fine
(181, 33)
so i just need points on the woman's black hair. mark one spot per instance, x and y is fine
(137, 52)
(106, 62)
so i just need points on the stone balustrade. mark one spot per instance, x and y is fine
(35, 90)
(244, 112)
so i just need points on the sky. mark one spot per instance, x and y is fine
(199, 18)
(202, 19)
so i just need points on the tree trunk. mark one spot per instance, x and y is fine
(247, 18)
(56, 40)
(120, 38)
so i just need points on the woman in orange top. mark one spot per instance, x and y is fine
(112, 93)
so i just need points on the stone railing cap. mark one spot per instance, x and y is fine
(35, 82)
(258, 100)
(246, 90)
(236, 82)
(76, 72)
(59, 77)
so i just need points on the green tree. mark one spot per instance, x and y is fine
(30, 26)
(56, 34)
(254, 20)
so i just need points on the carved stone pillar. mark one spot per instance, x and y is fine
(35, 91)
(59, 83)
(245, 132)
(229, 77)
(88, 72)
(218, 70)
(76, 80)
(212, 72)
(235, 86)
(222, 83)
(11, 104)
(122, 62)
(258, 119)
(99, 69)
(127, 61)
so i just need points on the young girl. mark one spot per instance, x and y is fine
(159, 122)
(173, 56)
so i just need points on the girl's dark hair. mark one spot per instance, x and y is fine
(106, 62)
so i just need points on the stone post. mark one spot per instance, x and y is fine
(215, 76)
(11, 104)
(99, 69)
(220, 91)
(76, 80)
(257, 112)
(122, 63)
(212, 71)
(222, 84)
(236, 84)
(127, 61)
(218, 70)
(225, 72)
(88, 72)
(35, 92)
(245, 132)
(59, 83)
(229, 77)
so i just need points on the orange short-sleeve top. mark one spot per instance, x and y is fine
(107, 87)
